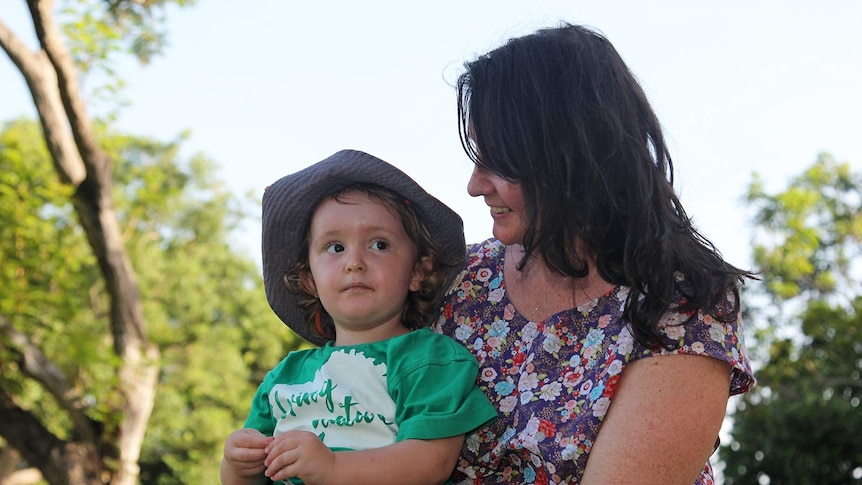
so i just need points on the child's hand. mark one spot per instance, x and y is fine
(299, 454)
(245, 452)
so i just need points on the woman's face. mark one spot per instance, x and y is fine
(506, 200)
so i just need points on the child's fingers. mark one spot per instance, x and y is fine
(248, 438)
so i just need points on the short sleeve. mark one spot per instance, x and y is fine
(699, 333)
(260, 415)
(435, 390)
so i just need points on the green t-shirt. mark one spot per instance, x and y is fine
(420, 385)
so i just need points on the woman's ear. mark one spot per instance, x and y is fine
(421, 270)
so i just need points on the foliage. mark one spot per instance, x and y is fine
(44, 259)
(203, 300)
(811, 232)
(116, 278)
(803, 422)
(98, 32)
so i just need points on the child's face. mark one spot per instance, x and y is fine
(362, 264)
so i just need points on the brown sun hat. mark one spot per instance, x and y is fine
(289, 203)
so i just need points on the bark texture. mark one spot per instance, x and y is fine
(98, 453)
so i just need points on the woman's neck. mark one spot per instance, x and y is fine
(538, 292)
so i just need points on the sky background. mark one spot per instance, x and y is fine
(267, 87)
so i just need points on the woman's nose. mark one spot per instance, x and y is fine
(478, 183)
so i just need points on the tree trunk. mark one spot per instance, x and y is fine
(9, 472)
(80, 162)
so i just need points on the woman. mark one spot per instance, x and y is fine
(607, 328)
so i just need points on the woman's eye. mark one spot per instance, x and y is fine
(380, 245)
(334, 248)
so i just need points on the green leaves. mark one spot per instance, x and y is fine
(203, 299)
(802, 424)
(809, 234)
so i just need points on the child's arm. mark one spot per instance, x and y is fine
(302, 454)
(244, 455)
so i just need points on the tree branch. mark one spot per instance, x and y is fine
(35, 364)
(26, 434)
(93, 199)
(93, 203)
(840, 382)
(59, 461)
(42, 83)
(95, 159)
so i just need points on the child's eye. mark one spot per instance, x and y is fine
(334, 248)
(380, 245)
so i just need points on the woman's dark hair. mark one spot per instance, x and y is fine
(559, 112)
(420, 306)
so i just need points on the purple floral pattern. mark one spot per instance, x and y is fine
(553, 381)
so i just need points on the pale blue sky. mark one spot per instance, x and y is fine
(270, 86)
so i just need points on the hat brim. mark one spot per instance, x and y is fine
(289, 202)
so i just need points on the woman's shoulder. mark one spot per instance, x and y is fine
(489, 247)
(484, 253)
(700, 332)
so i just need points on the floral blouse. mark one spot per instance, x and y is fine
(553, 381)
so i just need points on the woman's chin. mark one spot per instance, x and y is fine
(507, 238)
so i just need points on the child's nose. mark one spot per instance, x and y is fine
(354, 263)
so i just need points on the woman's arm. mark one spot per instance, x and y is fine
(663, 422)
(411, 461)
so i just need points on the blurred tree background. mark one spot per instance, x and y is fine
(132, 334)
(803, 423)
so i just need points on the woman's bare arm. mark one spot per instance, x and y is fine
(663, 422)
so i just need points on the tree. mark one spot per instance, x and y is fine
(204, 303)
(82, 164)
(802, 424)
(109, 257)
